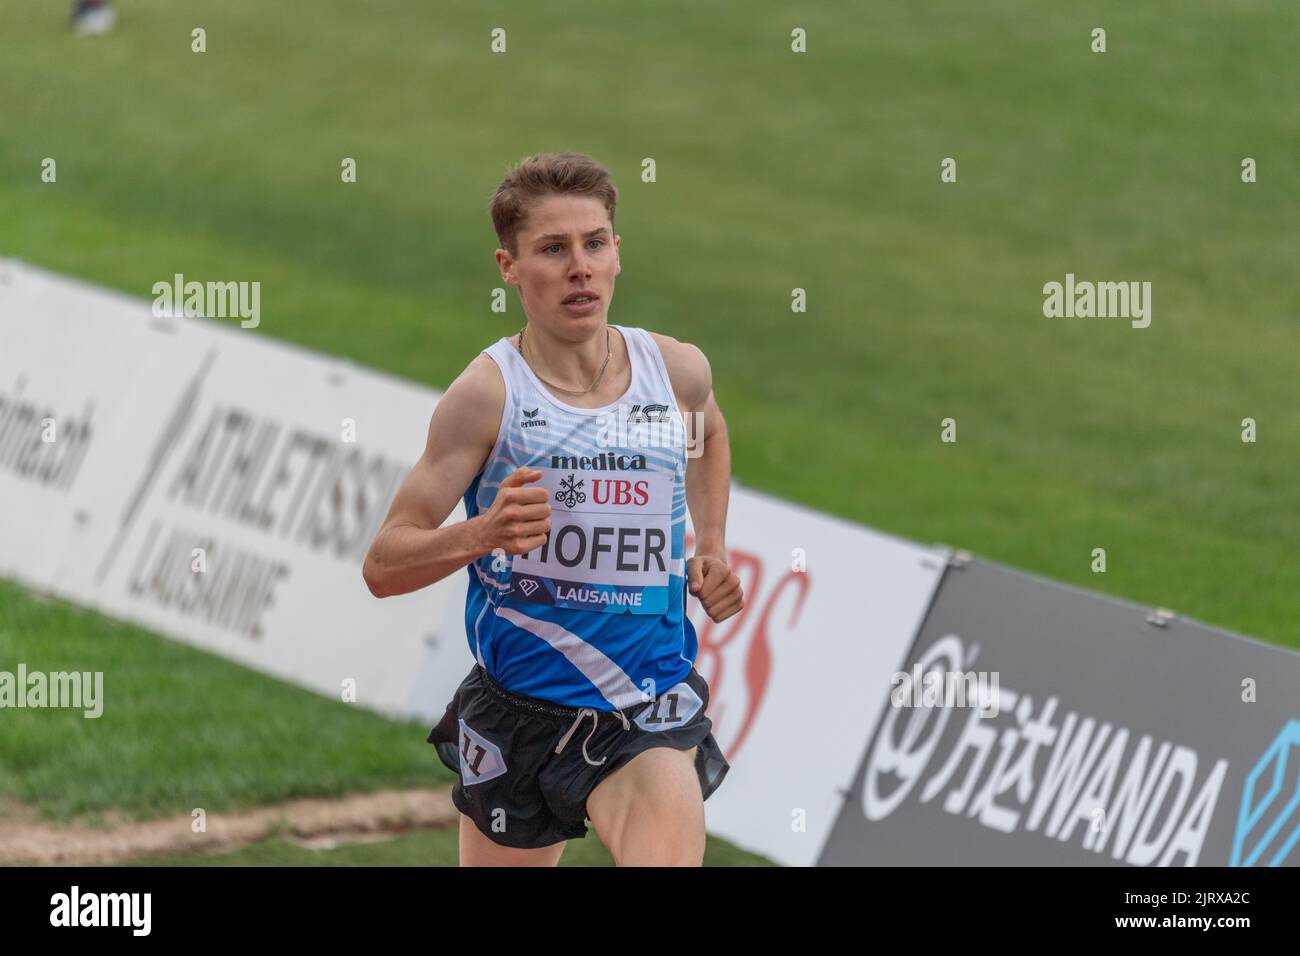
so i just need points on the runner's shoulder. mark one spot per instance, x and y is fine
(688, 368)
(472, 405)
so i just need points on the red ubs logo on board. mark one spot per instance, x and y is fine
(736, 656)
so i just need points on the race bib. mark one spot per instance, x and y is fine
(610, 543)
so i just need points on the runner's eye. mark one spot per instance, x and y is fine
(556, 245)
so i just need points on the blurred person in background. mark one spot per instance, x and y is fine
(92, 17)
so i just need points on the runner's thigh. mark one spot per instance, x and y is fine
(651, 811)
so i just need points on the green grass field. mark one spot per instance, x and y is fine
(184, 728)
(775, 171)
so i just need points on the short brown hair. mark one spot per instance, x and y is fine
(547, 174)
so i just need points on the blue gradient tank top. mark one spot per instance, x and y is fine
(595, 617)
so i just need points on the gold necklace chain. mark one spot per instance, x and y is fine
(568, 391)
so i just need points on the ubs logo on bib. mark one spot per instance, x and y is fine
(619, 491)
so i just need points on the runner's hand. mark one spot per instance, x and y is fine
(711, 580)
(519, 518)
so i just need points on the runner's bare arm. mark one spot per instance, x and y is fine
(411, 550)
(708, 478)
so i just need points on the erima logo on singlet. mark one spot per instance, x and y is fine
(531, 420)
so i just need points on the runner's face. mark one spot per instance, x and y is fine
(566, 245)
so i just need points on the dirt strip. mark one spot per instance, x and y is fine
(27, 840)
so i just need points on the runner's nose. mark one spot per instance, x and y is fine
(580, 268)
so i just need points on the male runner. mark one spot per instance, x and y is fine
(568, 444)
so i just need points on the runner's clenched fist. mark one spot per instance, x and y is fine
(519, 518)
(718, 588)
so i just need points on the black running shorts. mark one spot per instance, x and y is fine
(527, 766)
